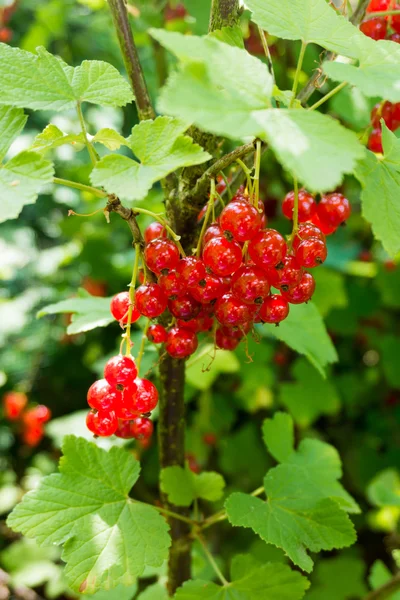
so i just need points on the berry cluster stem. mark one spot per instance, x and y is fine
(132, 287)
(175, 237)
(329, 95)
(89, 145)
(297, 74)
(142, 345)
(212, 561)
(210, 207)
(80, 186)
(256, 178)
(247, 172)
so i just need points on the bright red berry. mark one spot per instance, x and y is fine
(307, 230)
(184, 308)
(311, 253)
(395, 37)
(307, 206)
(38, 414)
(181, 342)
(375, 141)
(120, 371)
(14, 403)
(191, 269)
(267, 249)
(154, 231)
(161, 256)
(375, 28)
(33, 434)
(274, 309)
(124, 429)
(146, 397)
(172, 284)
(212, 232)
(322, 226)
(237, 331)
(208, 289)
(125, 407)
(202, 322)
(225, 342)
(142, 428)
(286, 275)
(119, 307)
(378, 5)
(150, 300)
(157, 334)
(230, 310)
(102, 396)
(102, 423)
(222, 256)
(250, 284)
(6, 35)
(395, 21)
(241, 220)
(382, 110)
(333, 209)
(303, 291)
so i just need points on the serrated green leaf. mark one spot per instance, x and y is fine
(108, 538)
(338, 578)
(110, 138)
(307, 20)
(52, 137)
(21, 179)
(278, 434)
(380, 179)
(229, 35)
(384, 489)
(12, 122)
(380, 575)
(330, 291)
(88, 312)
(161, 146)
(44, 82)
(182, 486)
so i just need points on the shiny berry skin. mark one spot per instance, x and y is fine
(287, 275)
(191, 269)
(274, 309)
(225, 342)
(382, 110)
(184, 308)
(142, 428)
(102, 423)
(307, 206)
(307, 230)
(150, 300)
(334, 209)
(395, 37)
(172, 284)
(396, 112)
(120, 371)
(375, 28)
(212, 232)
(395, 21)
(14, 403)
(322, 226)
(267, 249)
(181, 342)
(229, 310)
(119, 307)
(222, 256)
(37, 415)
(237, 331)
(33, 434)
(157, 334)
(241, 220)
(102, 396)
(146, 397)
(154, 231)
(208, 289)
(375, 141)
(303, 291)
(378, 6)
(201, 323)
(124, 429)
(161, 256)
(125, 407)
(250, 284)
(311, 253)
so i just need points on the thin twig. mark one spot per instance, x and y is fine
(212, 562)
(267, 52)
(386, 590)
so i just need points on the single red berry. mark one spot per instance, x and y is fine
(396, 110)
(311, 253)
(250, 284)
(333, 209)
(33, 434)
(225, 342)
(161, 256)
(306, 231)
(205, 322)
(241, 220)
(119, 307)
(37, 415)
(14, 403)
(375, 141)
(378, 6)
(192, 462)
(172, 284)
(120, 371)
(375, 28)
(395, 21)
(102, 396)
(202, 322)
(322, 226)
(124, 429)
(150, 300)
(303, 291)
(146, 397)
(102, 423)
(157, 334)
(267, 249)
(237, 331)
(210, 439)
(208, 289)
(395, 37)
(221, 185)
(212, 232)
(154, 231)
(229, 310)
(390, 265)
(382, 110)
(181, 342)
(6, 35)
(222, 256)
(286, 275)
(307, 206)
(274, 309)
(191, 269)
(142, 428)
(184, 308)
(125, 407)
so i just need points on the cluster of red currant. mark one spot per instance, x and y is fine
(31, 420)
(390, 113)
(381, 28)
(6, 33)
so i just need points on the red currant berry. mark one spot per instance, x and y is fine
(210, 439)
(238, 331)
(14, 403)
(161, 256)
(157, 334)
(124, 429)
(285, 277)
(150, 300)
(142, 428)
(222, 256)
(307, 206)
(396, 110)
(395, 37)
(184, 308)
(125, 407)
(250, 284)
(378, 6)
(208, 289)
(6, 35)
(225, 342)
(154, 231)
(214, 231)
(119, 307)
(120, 371)
(375, 28)
(102, 396)
(375, 141)
(267, 249)
(181, 342)
(240, 219)
(311, 253)
(395, 22)
(229, 310)
(205, 322)
(39, 414)
(334, 209)
(306, 231)
(382, 110)
(303, 291)
(322, 226)
(200, 323)
(221, 185)
(192, 270)
(274, 309)
(172, 284)
(146, 397)
(102, 423)
(32, 435)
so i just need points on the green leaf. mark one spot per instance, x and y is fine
(44, 82)
(12, 122)
(154, 592)
(108, 538)
(161, 146)
(28, 564)
(310, 396)
(110, 138)
(229, 35)
(338, 578)
(330, 291)
(88, 312)
(305, 332)
(390, 351)
(251, 581)
(21, 180)
(306, 20)
(52, 137)
(381, 179)
(183, 486)
(380, 575)
(278, 434)
(384, 489)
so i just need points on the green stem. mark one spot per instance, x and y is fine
(267, 52)
(221, 515)
(142, 345)
(295, 228)
(256, 178)
(228, 185)
(80, 186)
(210, 206)
(212, 562)
(89, 145)
(386, 590)
(383, 13)
(297, 74)
(132, 287)
(328, 95)
(169, 513)
(247, 172)
(175, 237)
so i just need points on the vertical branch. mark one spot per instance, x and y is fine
(224, 13)
(131, 59)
